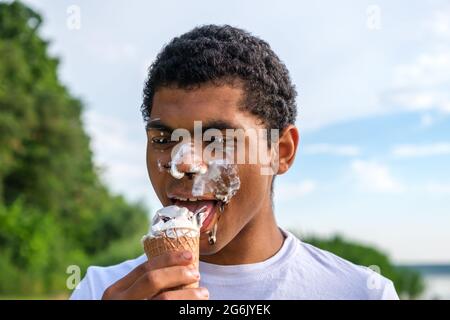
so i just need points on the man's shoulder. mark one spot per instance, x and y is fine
(339, 275)
(120, 269)
(97, 278)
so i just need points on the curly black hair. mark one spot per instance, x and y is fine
(224, 54)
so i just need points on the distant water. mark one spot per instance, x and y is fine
(437, 280)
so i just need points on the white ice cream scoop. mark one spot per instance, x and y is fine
(174, 221)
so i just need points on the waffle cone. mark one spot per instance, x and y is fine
(154, 247)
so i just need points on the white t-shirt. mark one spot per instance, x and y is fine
(297, 271)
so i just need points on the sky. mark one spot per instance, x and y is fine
(373, 107)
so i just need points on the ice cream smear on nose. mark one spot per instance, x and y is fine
(185, 156)
(174, 222)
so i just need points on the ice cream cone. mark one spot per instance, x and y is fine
(155, 246)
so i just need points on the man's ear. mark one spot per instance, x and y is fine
(287, 148)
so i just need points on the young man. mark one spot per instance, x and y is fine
(225, 78)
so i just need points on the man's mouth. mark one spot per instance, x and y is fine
(195, 205)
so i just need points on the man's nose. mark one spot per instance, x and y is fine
(187, 160)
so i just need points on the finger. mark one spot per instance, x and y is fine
(184, 294)
(127, 280)
(154, 281)
(169, 259)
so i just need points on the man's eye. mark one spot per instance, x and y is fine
(160, 140)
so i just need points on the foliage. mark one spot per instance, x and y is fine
(54, 208)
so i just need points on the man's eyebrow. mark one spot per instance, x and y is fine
(157, 124)
(219, 124)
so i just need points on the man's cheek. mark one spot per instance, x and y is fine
(157, 181)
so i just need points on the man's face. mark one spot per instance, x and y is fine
(216, 107)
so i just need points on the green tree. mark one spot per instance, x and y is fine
(50, 189)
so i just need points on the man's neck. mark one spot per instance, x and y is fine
(259, 240)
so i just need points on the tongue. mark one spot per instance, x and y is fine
(196, 206)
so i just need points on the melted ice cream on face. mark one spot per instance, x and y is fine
(215, 176)
(174, 221)
(221, 179)
(218, 177)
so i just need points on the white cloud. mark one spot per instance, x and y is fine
(426, 120)
(120, 151)
(329, 149)
(372, 176)
(289, 191)
(429, 69)
(439, 25)
(422, 85)
(112, 52)
(423, 100)
(411, 150)
(438, 188)
(111, 137)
